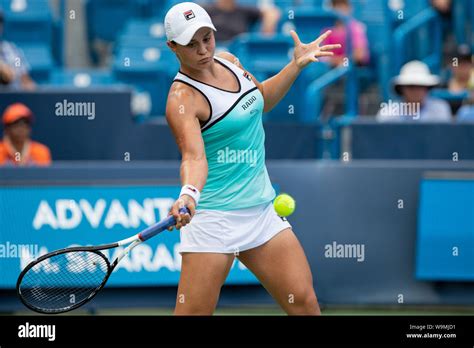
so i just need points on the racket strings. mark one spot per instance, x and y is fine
(62, 281)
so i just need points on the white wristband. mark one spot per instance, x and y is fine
(190, 190)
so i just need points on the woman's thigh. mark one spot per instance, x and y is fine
(201, 279)
(281, 266)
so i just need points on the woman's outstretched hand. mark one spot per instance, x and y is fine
(305, 54)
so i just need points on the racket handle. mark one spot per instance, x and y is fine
(160, 226)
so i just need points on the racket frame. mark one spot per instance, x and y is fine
(133, 241)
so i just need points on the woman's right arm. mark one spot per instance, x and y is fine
(181, 115)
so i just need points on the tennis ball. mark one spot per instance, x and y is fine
(284, 205)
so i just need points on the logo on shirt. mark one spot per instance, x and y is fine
(247, 76)
(189, 15)
(249, 102)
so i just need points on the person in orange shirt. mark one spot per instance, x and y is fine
(17, 148)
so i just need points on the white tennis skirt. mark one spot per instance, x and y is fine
(231, 231)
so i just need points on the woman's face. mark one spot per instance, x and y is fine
(199, 52)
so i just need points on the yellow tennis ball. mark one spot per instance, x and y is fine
(284, 205)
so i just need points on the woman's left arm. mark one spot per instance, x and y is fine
(276, 87)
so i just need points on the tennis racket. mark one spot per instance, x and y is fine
(66, 279)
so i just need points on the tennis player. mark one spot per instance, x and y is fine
(214, 109)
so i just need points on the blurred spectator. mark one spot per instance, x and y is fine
(461, 72)
(232, 19)
(442, 6)
(466, 112)
(17, 148)
(413, 85)
(13, 65)
(360, 46)
(461, 68)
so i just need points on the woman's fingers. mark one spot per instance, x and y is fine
(314, 55)
(322, 37)
(295, 37)
(329, 47)
(192, 209)
(324, 54)
(175, 212)
(182, 219)
(186, 219)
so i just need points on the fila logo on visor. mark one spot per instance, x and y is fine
(247, 76)
(189, 15)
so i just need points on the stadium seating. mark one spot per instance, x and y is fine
(463, 21)
(28, 21)
(150, 69)
(142, 32)
(300, 3)
(263, 54)
(378, 20)
(40, 61)
(308, 22)
(81, 78)
(118, 10)
(145, 28)
(31, 26)
(156, 8)
(137, 33)
(408, 8)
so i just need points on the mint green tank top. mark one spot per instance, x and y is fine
(234, 141)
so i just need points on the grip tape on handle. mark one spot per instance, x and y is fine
(160, 226)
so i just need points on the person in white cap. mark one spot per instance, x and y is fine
(215, 109)
(413, 86)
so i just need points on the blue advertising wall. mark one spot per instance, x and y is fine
(114, 133)
(445, 245)
(364, 139)
(46, 218)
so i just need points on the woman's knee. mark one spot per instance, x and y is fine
(202, 305)
(303, 302)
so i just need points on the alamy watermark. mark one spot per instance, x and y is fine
(28, 330)
(11, 250)
(75, 109)
(403, 109)
(228, 155)
(345, 251)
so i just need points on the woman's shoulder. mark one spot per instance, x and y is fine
(179, 89)
(229, 57)
(182, 95)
